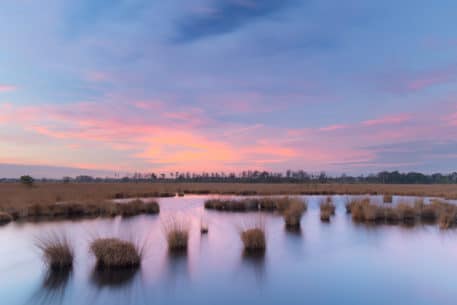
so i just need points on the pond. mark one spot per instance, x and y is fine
(326, 263)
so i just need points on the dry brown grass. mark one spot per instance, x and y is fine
(445, 213)
(115, 253)
(327, 205)
(387, 198)
(325, 215)
(279, 204)
(176, 233)
(254, 239)
(14, 194)
(57, 251)
(88, 209)
(294, 212)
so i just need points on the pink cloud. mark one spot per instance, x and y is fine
(153, 137)
(334, 127)
(391, 119)
(420, 80)
(7, 88)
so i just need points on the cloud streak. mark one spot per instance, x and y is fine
(224, 16)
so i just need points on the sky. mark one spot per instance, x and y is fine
(350, 87)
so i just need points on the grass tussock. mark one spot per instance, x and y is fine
(57, 252)
(115, 253)
(254, 238)
(387, 198)
(176, 233)
(327, 209)
(203, 227)
(293, 213)
(5, 218)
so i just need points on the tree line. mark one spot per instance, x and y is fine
(290, 176)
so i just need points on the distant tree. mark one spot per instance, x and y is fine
(66, 180)
(27, 180)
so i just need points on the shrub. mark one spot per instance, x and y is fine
(5, 218)
(115, 253)
(27, 180)
(57, 251)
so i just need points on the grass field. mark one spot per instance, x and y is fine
(12, 194)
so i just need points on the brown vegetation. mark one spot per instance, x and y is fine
(57, 251)
(387, 198)
(294, 212)
(280, 204)
(115, 253)
(176, 233)
(363, 210)
(14, 194)
(254, 239)
(327, 209)
(65, 210)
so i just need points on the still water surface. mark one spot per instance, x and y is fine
(336, 263)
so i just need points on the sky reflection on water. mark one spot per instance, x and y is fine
(335, 263)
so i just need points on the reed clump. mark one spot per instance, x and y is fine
(254, 240)
(327, 209)
(137, 207)
(57, 252)
(177, 234)
(293, 213)
(115, 253)
(387, 198)
(5, 218)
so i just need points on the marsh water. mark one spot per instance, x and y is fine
(326, 263)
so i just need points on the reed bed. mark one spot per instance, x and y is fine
(57, 251)
(280, 204)
(254, 238)
(363, 210)
(116, 253)
(14, 194)
(71, 210)
(176, 233)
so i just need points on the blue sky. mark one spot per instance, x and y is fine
(353, 86)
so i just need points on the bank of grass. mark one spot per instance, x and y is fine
(176, 232)
(112, 253)
(57, 251)
(280, 204)
(72, 210)
(46, 193)
(362, 210)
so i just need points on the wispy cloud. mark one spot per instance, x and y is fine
(224, 16)
(7, 88)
